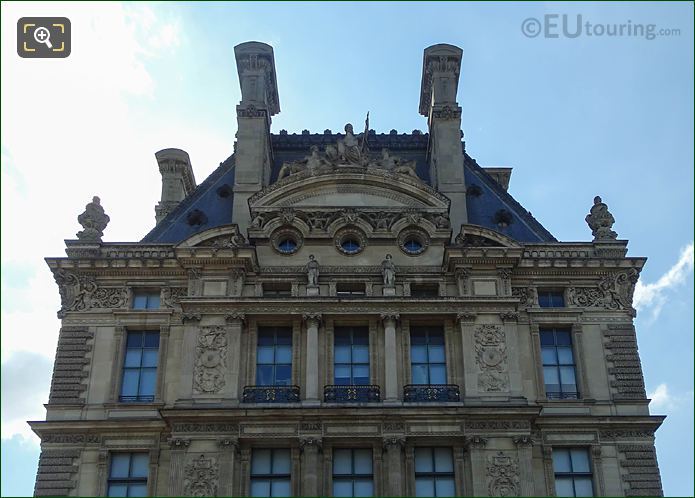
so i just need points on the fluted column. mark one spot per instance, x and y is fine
(390, 356)
(476, 447)
(310, 448)
(311, 382)
(228, 448)
(176, 464)
(236, 326)
(393, 447)
(524, 446)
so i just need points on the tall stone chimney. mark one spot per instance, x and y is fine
(177, 180)
(441, 68)
(259, 102)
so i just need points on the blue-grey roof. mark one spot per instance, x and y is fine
(211, 203)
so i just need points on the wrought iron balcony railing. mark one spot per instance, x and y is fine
(351, 394)
(431, 393)
(136, 399)
(564, 395)
(270, 394)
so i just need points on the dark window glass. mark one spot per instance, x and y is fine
(287, 245)
(128, 474)
(551, 299)
(427, 355)
(352, 472)
(277, 290)
(351, 356)
(572, 472)
(270, 472)
(434, 472)
(274, 356)
(424, 290)
(140, 366)
(559, 369)
(146, 300)
(350, 245)
(412, 246)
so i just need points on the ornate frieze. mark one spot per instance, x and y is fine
(62, 438)
(201, 477)
(171, 296)
(614, 292)
(491, 357)
(496, 425)
(503, 475)
(82, 293)
(212, 427)
(527, 296)
(211, 360)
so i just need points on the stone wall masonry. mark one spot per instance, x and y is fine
(624, 366)
(642, 470)
(71, 366)
(55, 473)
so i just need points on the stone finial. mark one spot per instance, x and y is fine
(600, 220)
(93, 220)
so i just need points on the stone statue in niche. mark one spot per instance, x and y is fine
(600, 220)
(388, 272)
(93, 221)
(312, 271)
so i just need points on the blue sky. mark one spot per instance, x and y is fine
(574, 117)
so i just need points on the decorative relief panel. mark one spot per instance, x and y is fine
(491, 357)
(171, 296)
(201, 477)
(211, 360)
(503, 475)
(614, 292)
(81, 293)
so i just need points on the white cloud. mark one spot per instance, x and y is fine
(663, 400)
(654, 295)
(71, 129)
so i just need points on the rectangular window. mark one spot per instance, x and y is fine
(424, 290)
(140, 366)
(146, 300)
(434, 472)
(270, 472)
(572, 472)
(277, 290)
(352, 472)
(128, 474)
(351, 356)
(349, 289)
(551, 299)
(274, 356)
(559, 370)
(427, 356)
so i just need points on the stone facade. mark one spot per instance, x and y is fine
(388, 234)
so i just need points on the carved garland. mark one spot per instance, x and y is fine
(211, 359)
(491, 356)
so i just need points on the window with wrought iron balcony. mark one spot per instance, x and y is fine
(428, 368)
(273, 368)
(351, 368)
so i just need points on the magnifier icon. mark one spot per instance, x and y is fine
(42, 35)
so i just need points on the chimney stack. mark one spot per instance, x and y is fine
(177, 180)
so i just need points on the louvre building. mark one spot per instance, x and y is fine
(346, 314)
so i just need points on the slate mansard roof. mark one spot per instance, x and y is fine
(214, 196)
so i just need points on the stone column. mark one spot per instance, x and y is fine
(244, 486)
(524, 447)
(393, 448)
(549, 471)
(102, 473)
(177, 460)
(228, 448)
(459, 469)
(476, 448)
(311, 382)
(390, 356)
(310, 448)
(236, 327)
